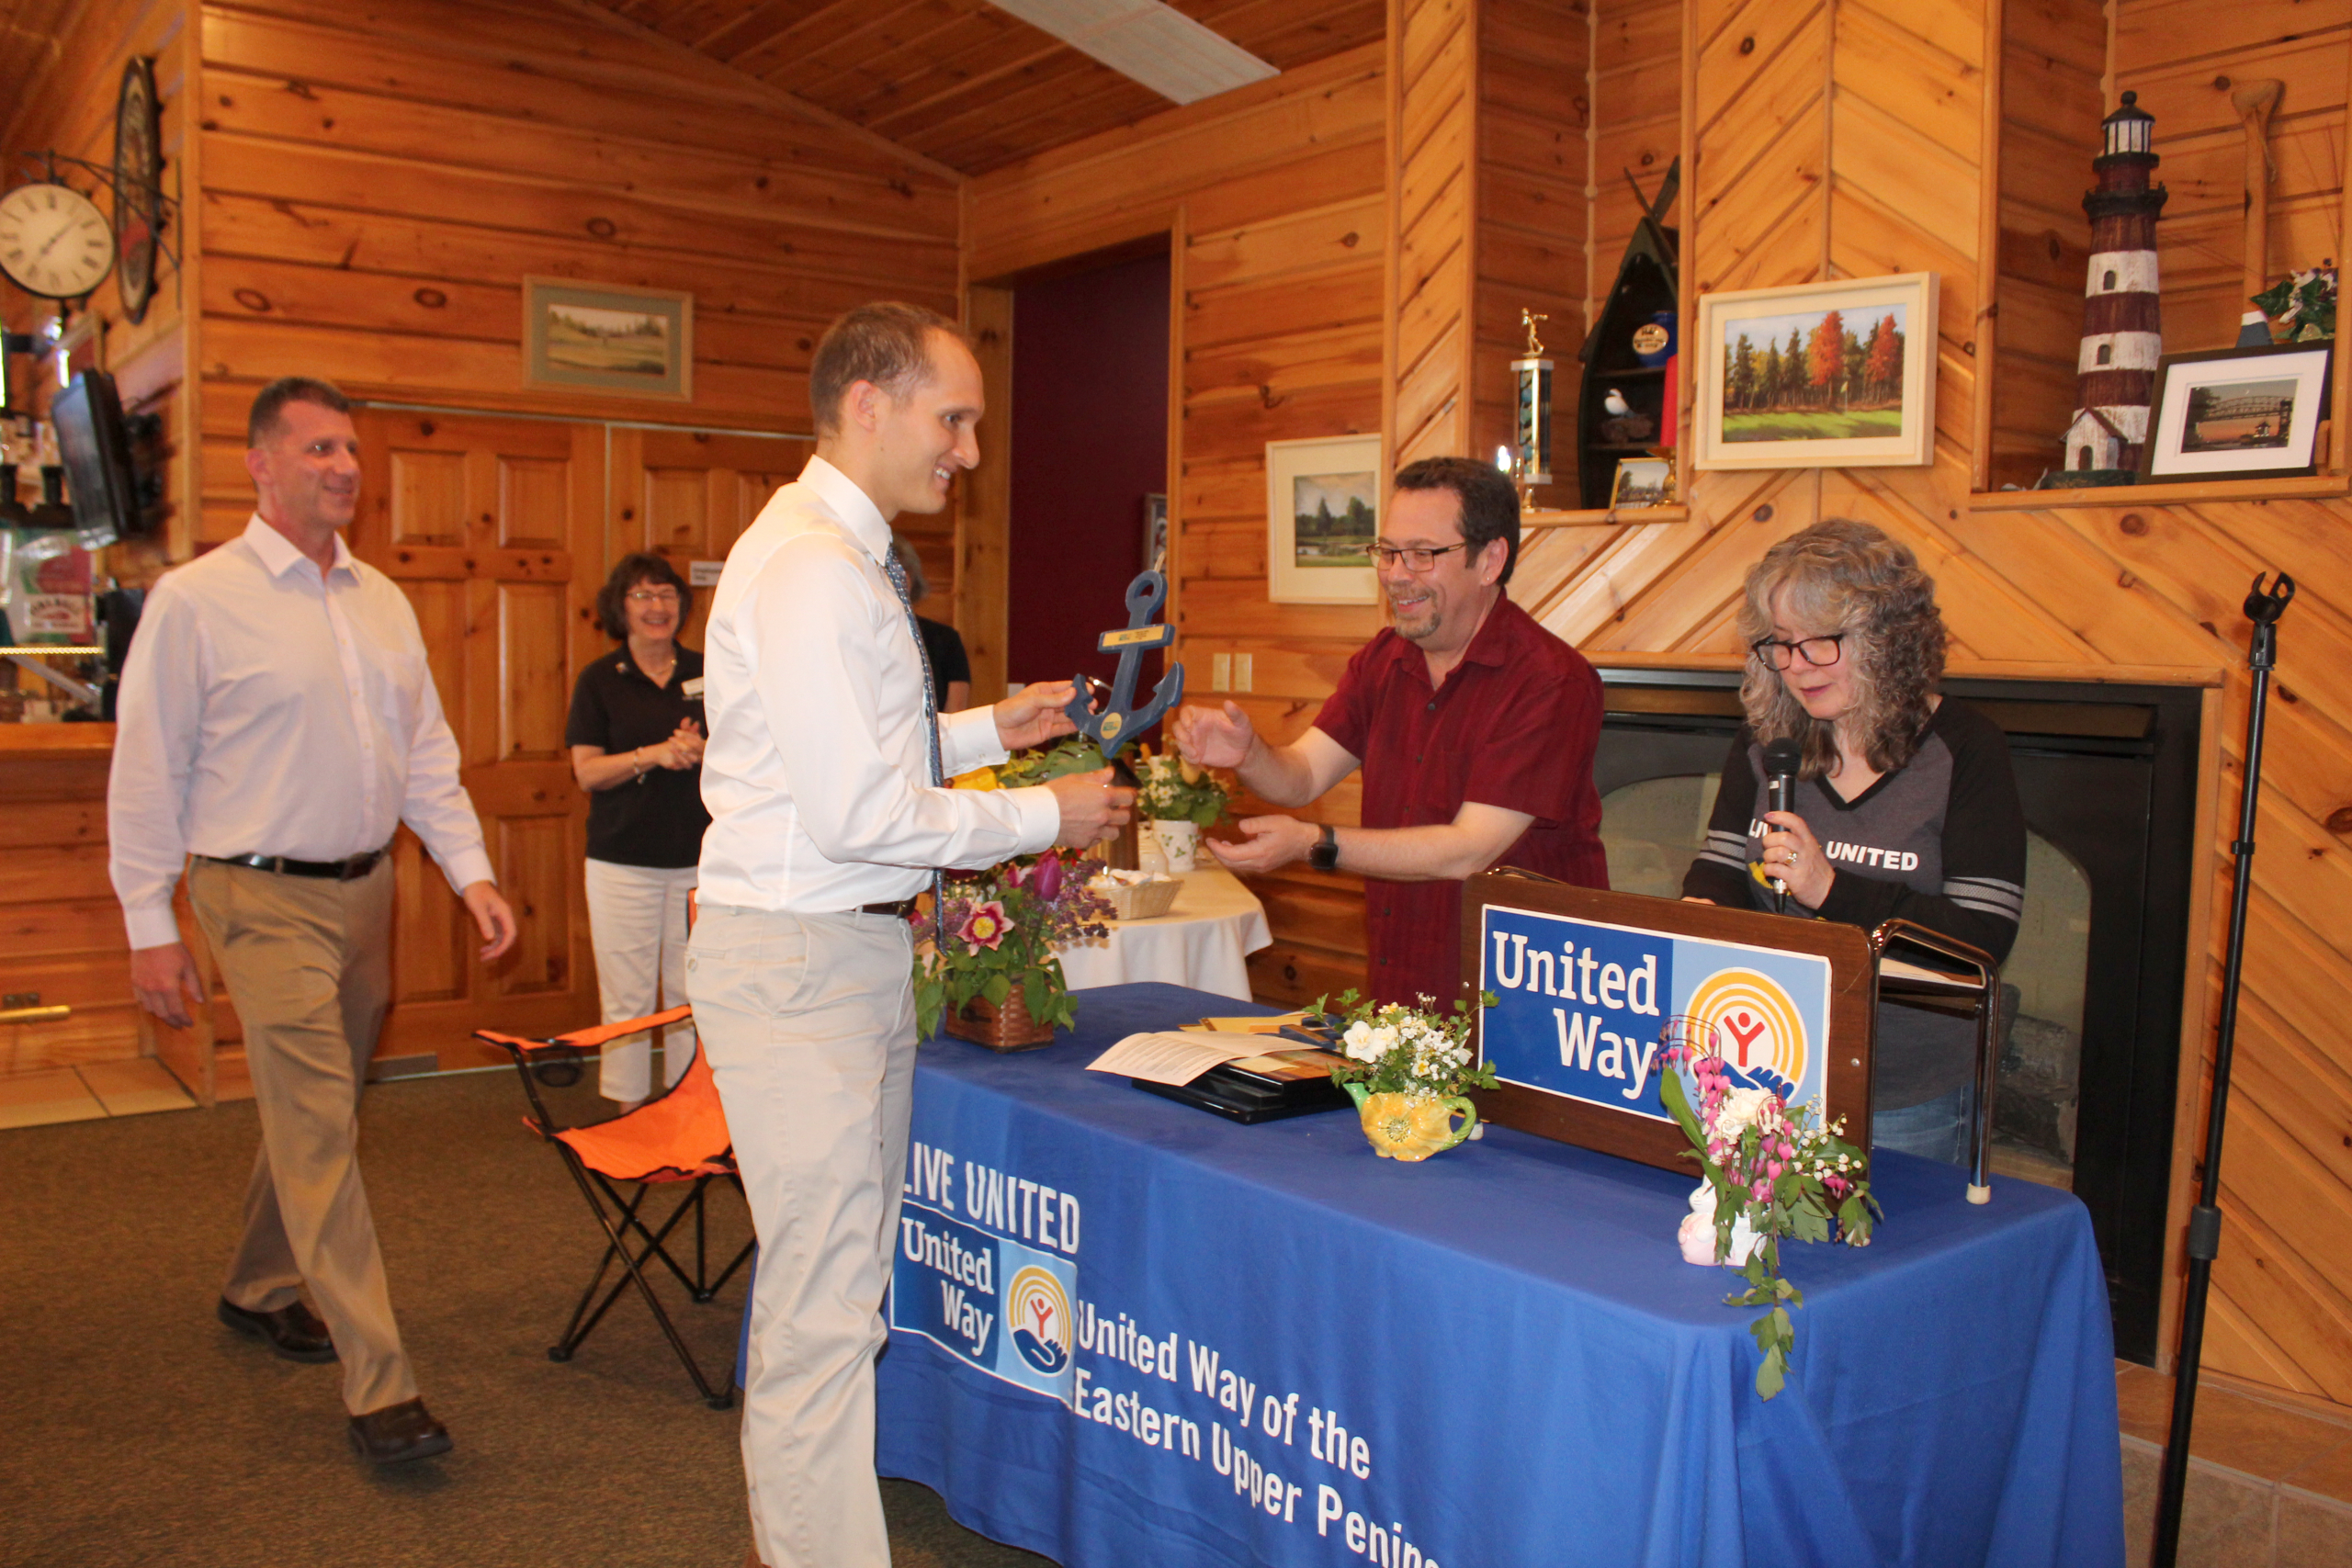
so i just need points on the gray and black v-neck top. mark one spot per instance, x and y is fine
(1940, 841)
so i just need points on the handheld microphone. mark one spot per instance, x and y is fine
(1780, 761)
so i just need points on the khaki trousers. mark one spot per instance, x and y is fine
(308, 963)
(808, 1023)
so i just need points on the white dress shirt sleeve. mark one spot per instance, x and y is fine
(436, 804)
(810, 623)
(968, 740)
(158, 717)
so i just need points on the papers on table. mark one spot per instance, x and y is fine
(1273, 1024)
(1171, 1058)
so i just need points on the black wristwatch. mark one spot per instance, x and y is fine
(1325, 855)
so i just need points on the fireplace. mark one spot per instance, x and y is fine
(2091, 1040)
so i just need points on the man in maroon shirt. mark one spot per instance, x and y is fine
(1474, 726)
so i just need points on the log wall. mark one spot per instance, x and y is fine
(378, 182)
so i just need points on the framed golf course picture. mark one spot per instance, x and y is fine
(1819, 374)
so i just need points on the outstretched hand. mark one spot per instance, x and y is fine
(1213, 739)
(1268, 843)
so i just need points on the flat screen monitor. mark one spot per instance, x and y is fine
(95, 446)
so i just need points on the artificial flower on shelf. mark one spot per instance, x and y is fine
(1408, 1070)
(997, 931)
(1770, 1171)
(2302, 307)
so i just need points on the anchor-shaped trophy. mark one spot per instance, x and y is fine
(1119, 720)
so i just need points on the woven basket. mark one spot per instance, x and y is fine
(1143, 901)
(1006, 1028)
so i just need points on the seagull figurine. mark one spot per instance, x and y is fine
(1615, 404)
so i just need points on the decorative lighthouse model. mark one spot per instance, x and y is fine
(2117, 370)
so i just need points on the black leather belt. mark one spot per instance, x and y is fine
(350, 870)
(901, 908)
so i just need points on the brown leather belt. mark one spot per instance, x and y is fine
(350, 870)
(901, 908)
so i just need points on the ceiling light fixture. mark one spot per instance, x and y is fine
(1149, 41)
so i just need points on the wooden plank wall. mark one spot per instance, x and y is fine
(2053, 60)
(1538, 85)
(70, 110)
(64, 933)
(1274, 196)
(378, 182)
(1844, 141)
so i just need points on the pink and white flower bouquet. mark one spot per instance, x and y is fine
(1770, 1171)
(999, 929)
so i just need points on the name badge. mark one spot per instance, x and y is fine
(693, 689)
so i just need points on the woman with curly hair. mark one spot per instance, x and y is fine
(1904, 802)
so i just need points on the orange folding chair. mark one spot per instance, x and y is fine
(680, 1136)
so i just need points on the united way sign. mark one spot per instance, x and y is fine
(1585, 984)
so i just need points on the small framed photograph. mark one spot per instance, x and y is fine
(1641, 481)
(2241, 413)
(638, 342)
(1322, 514)
(1820, 375)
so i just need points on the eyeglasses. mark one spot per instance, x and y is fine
(651, 595)
(1415, 559)
(1814, 651)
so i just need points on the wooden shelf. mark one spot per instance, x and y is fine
(54, 737)
(2296, 488)
(1673, 513)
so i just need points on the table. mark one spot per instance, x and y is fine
(1283, 1350)
(1200, 942)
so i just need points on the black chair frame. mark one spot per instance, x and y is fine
(624, 1218)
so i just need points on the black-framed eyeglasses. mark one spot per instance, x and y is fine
(1814, 651)
(1415, 558)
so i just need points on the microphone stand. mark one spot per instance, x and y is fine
(2263, 608)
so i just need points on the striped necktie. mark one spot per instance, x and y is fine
(930, 715)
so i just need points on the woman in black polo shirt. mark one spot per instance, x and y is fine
(635, 734)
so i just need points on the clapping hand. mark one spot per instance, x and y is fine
(1213, 739)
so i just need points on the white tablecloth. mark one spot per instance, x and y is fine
(1199, 942)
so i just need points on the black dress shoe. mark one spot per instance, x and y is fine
(398, 1432)
(293, 1331)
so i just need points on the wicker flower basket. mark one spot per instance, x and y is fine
(1141, 901)
(1006, 1028)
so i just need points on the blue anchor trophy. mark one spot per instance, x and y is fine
(1119, 720)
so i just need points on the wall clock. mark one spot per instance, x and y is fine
(53, 241)
(138, 194)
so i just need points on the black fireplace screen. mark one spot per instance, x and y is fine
(2107, 775)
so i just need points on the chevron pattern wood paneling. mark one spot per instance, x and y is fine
(1843, 140)
(1432, 138)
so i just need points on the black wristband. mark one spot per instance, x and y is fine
(1325, 855)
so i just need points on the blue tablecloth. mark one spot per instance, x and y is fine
(1526, 1373)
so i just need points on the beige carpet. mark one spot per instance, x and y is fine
(138, 1432)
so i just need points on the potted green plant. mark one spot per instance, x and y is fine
(1179, 798)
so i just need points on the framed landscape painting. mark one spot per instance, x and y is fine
(1322, 513)
(1820, 375)
(639, 343)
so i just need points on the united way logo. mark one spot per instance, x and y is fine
(1039, 1311)
(1756, 1026)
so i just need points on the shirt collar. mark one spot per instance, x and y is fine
(278, 554)
(850, 505)
(1487, 644)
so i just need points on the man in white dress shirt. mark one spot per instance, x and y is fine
(822, 776)
(278, 723)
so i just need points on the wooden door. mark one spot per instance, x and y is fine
(688, 495)
(493, 526)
